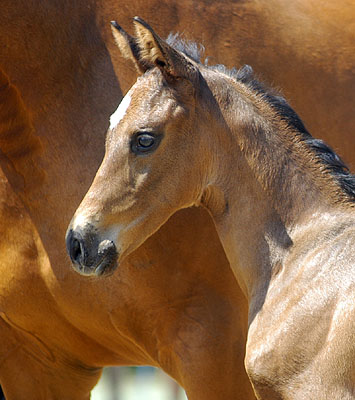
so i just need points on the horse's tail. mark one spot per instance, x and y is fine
(19, 144)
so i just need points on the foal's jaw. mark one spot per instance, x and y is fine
(97, 251)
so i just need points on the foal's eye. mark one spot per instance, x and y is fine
(144, 142)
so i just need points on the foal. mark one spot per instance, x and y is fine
(282, 202)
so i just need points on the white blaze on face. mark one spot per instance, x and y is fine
(121, 111)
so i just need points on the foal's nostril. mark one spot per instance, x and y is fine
(75, 251)
(74, 247)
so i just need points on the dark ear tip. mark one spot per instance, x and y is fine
(115, 25)
(142, 22)
(120, 29)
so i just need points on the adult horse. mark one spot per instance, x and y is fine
(58, 329)
(283, 204)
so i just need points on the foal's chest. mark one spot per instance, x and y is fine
(304, 331)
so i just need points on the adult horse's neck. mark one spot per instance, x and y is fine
(269, 185)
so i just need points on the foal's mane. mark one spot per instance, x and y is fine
(328, 159)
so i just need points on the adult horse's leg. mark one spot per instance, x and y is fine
(29, 374)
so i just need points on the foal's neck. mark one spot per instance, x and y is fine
(269, 185)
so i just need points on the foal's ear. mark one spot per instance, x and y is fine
(156, 51)
(129, 47)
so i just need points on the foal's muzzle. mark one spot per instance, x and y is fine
(89, 255)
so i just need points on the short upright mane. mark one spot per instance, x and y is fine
(327, 158)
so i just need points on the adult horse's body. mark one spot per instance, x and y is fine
(283, 204)
(58, 329)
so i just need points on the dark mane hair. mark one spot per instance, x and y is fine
(325, 155)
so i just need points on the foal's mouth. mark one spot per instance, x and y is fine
(105, 267)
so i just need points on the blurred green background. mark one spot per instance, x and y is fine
(136, 383)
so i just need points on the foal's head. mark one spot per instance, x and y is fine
(155, 161)
(171, 145)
